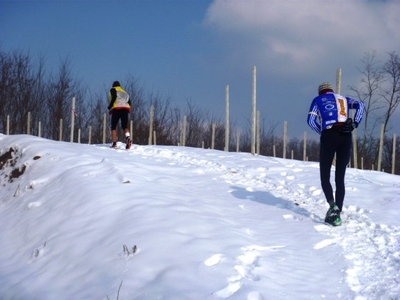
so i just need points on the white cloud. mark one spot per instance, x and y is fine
(304, 35)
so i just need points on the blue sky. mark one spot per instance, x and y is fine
(191, 49)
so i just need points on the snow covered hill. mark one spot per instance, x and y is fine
(156, 222)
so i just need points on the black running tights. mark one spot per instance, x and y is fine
(332, 142)
(119, 114)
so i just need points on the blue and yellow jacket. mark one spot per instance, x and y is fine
(330, 108)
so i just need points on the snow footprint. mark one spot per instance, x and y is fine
(291, 176)
(325, 243)
(248, 261)
(232, 287)
(291, 217)
(229, 290)
(34, 204)
(39, 251)
(315, 191)
(213, 260)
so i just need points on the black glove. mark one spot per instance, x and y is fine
(109, 107)
(349, 126)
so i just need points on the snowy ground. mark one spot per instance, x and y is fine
(155, 222)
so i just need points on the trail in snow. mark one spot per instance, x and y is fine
(363, 241)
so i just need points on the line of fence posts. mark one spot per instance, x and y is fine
(152, 140)
(256, 126)
(255, 129)
(355, 151)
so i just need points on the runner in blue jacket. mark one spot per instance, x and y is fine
(329, 117)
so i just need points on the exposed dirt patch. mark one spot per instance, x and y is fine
(10, 159)
(6, 158)
(15, 173)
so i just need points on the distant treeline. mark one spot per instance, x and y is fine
(29, 92)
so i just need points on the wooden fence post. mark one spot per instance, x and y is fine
(227, 118)
(154, 138)
(213, 136)
(394, 154)
(305, 146)
(258, 132)
(285, 125)
(28, 127)
(381, 148)
(72, 119)
(253, 116)
(61, 130)
(355, 149)
(151, 124)
(338, 90)
(184, 131)
(90, 135)
(104, 128)
(238, 142)
(338, 81)
(131, 129)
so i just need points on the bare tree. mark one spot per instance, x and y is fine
(313, 150)
(165, 118)
(197, 125)
(368, 92)
(381, 94)
(371, 82)
(19, 89)
(82, 111)
(6, 66)
(97, 109)
(390, 92)
(58, 100)
(39, 88)
(268, 139)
